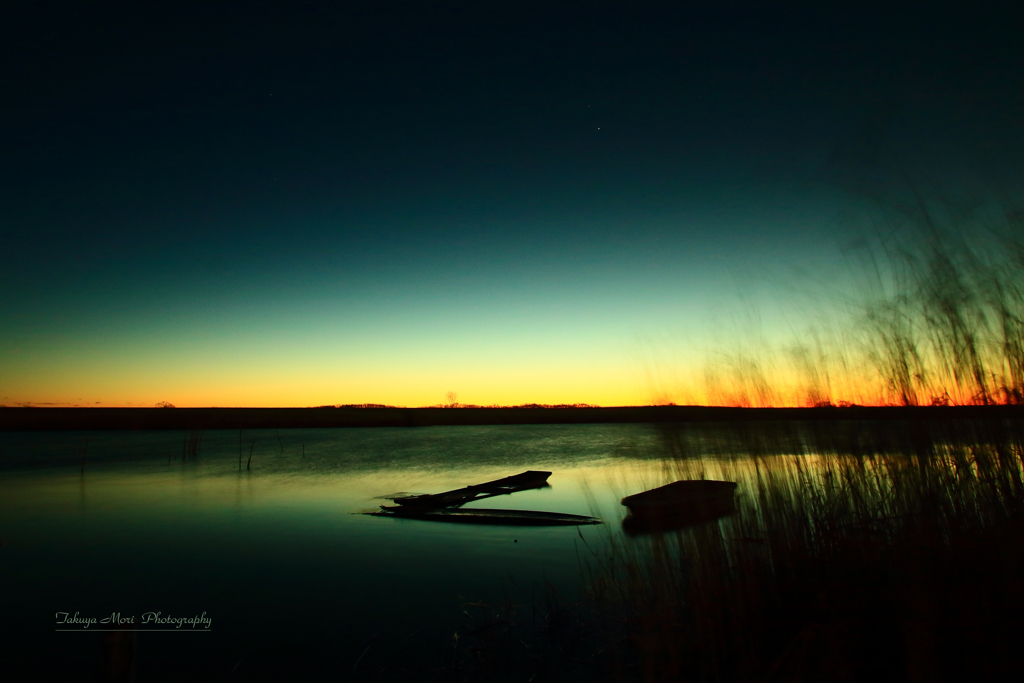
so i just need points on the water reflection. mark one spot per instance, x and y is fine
(294, 581)
(274, 553)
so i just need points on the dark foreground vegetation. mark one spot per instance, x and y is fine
(883, 551)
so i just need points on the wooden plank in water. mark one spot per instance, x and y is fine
(531, 479)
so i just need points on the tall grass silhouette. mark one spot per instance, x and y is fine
(883, 551)
(931, 313)
(951, 330)
(859, 551)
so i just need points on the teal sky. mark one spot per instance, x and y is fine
(240, 205)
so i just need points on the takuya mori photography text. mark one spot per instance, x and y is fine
(148, 621)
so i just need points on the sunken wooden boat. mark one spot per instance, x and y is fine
(446, 507)
(486, 516)
(679, 505)
(531, 479)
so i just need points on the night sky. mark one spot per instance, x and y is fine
(260, 204)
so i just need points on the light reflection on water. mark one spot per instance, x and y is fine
(273, 553)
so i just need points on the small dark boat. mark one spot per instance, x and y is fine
(695, 493)
(486, 516)
(531, 479)
(678, 505)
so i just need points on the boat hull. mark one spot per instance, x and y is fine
(679, 505)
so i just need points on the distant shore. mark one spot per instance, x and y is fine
(57, 419)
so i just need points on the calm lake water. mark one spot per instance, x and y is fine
(292, 582)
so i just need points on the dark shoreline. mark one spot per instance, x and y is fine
(57, 419)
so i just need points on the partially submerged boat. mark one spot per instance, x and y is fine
(446, 507)
(679, 505)
(487, 516)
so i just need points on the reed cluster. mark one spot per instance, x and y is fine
(885, 551)
(191, 443)
(950, 328)
(930, 312)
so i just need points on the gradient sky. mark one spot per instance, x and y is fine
(292, 203)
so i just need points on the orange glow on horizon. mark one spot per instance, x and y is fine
(725, 395)
(600, 381)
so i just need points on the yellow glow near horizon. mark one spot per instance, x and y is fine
(283, 386)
